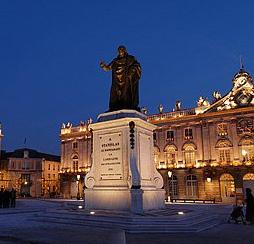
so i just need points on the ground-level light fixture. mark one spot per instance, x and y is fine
(92, 212)
(180, 213)
(170, 174)
(80, 206)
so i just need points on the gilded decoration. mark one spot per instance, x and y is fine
(244, 126)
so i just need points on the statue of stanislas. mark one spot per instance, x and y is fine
(126, 72)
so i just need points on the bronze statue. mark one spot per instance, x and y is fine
(126, 72)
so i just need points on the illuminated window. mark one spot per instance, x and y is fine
(188, 134)
(170, 135)
(170, 156)
(249, 176)
(75, 163)
(191, 186)
(222, 129)
(190, 156)
(224, 156)
(227, 185)
(224, 151)
(173, 186)
(247, 150)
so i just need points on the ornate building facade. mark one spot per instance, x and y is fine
(76, 158)
(30, 173)
(207, 153)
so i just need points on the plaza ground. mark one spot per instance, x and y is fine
(28, 224)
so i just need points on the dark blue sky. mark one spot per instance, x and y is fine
(50, 51)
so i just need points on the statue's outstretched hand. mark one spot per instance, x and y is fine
(105, 66)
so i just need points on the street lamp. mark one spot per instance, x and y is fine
(78, 195)
(170, 174)
(244, 153)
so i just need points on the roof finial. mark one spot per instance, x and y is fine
(241, 63)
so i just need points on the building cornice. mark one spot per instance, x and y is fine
(161, 120)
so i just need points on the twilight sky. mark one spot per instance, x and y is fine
(50, 53)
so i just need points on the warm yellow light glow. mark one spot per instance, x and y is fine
(244, 152)
(235, 163)
(169, 174)
(214, 164)
(25, 182)
(208, 179)
(78, 177)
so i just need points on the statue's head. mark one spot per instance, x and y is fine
(122, 51)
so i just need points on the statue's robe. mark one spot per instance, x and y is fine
(124, 94)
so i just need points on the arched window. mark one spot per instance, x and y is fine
(189, 155)
(247, 150)
(170, 156)
(191, 186)
(249, 176)
(224, 151)
(227, 185)
(173, 186)
(75, 163)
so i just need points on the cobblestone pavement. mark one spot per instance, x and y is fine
(16, 227)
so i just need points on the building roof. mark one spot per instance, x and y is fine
(19, 153)
(240, 96)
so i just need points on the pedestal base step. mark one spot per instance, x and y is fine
(159, 221)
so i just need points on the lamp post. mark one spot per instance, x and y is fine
(78, 195)
(244, 153)
(170, 174)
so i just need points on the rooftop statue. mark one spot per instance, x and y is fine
(126, 72)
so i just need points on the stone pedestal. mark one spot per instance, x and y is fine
(123, 174)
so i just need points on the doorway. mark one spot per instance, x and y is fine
(227, 188)
(248, 182)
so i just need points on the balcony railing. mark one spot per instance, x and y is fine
(170, 115)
